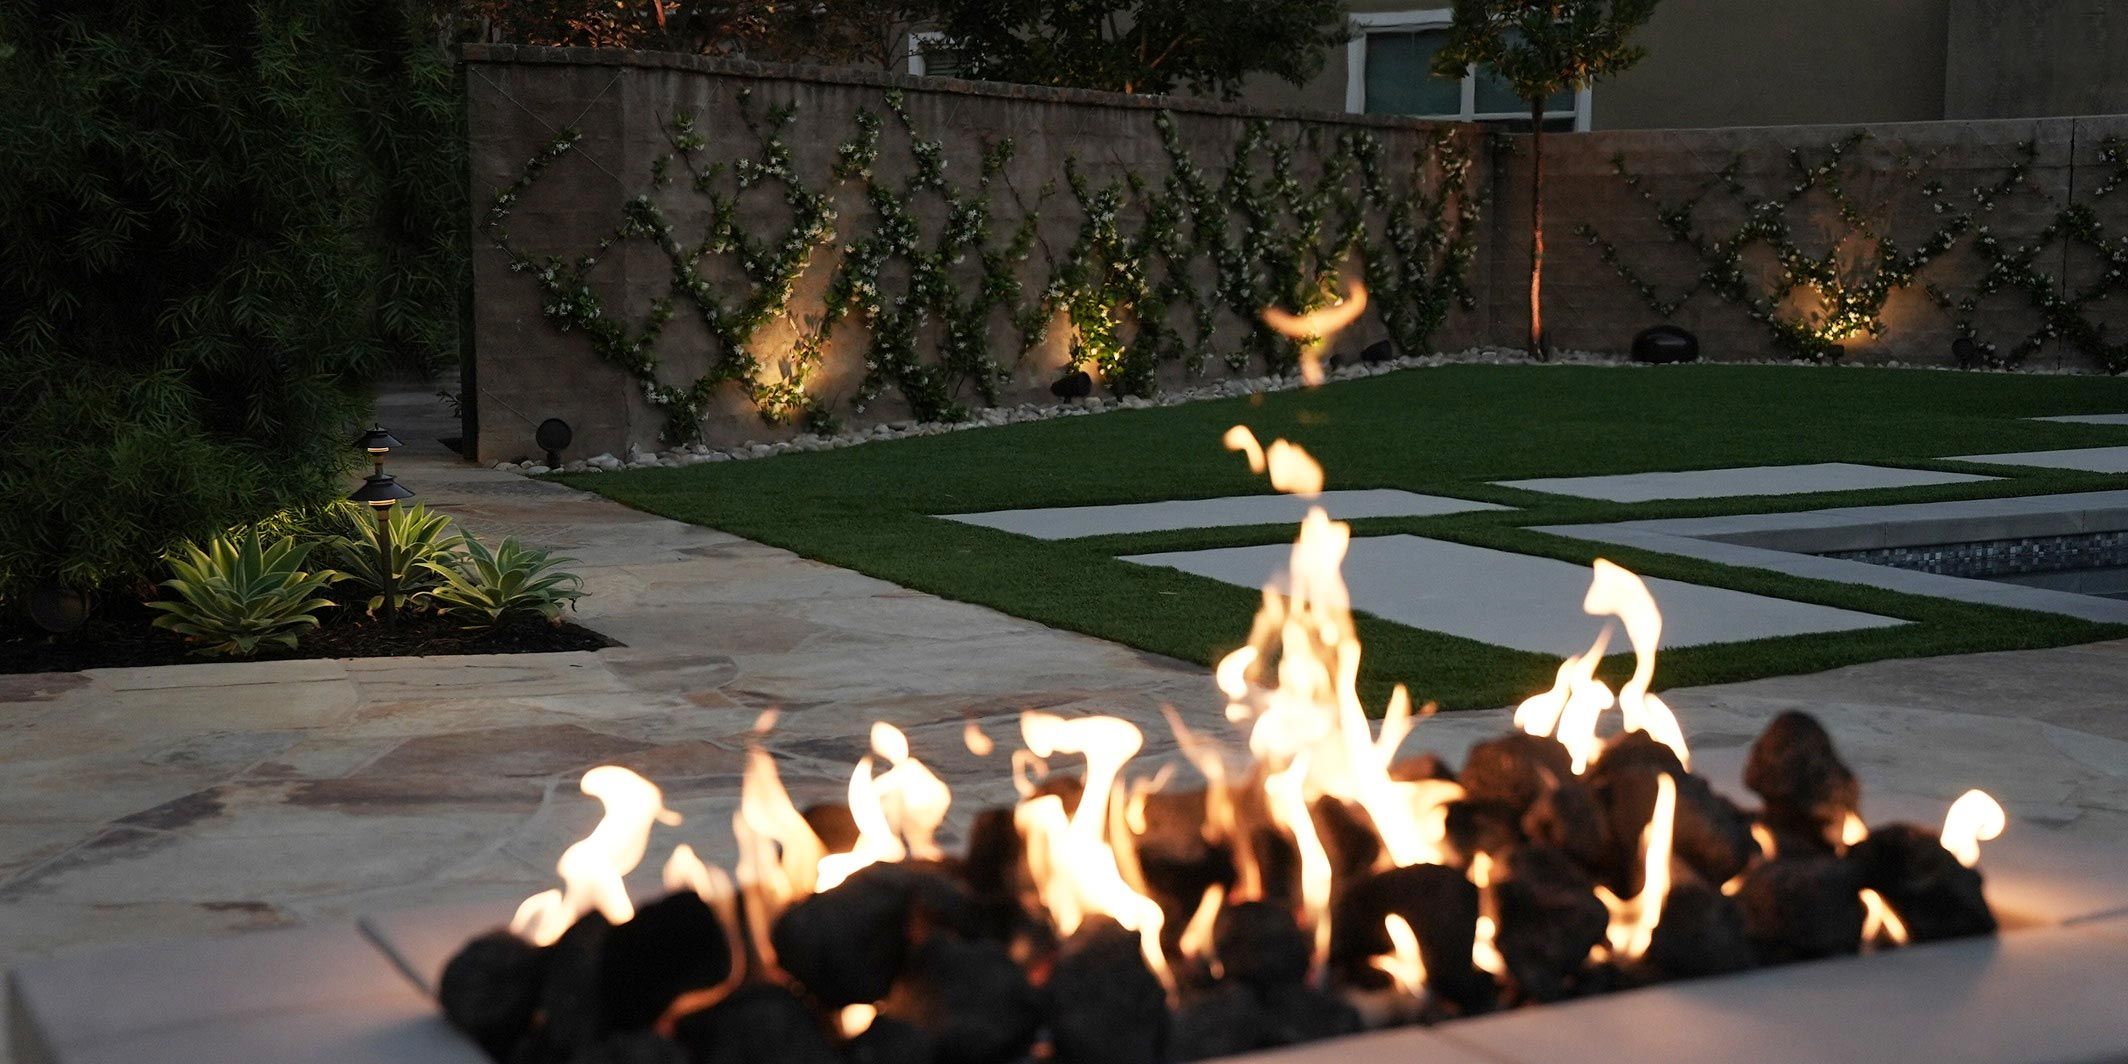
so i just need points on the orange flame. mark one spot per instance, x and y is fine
(1317, 325)
(1879, 922)
(1633, 920)
(1571, 710)
(592, 869)
(1074, 867)
(1973, 819)
(1403, 962)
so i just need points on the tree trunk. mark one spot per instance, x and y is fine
(1537, 348)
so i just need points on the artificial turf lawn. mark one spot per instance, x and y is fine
(1445, 431)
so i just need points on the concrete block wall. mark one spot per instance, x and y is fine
(520, 98)
(526, 370)
(1590, 306)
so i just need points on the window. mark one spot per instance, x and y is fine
(928, 56)
(1389, 70)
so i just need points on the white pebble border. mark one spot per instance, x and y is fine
(992, 417)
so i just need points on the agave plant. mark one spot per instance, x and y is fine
(420, 541)
(240, 592)
(486, 588)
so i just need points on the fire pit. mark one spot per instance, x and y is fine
(1300, 883)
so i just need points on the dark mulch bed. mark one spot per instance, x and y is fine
(120, 634)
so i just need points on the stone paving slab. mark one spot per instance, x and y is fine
(1744, 480)
(1514, 600)
(1788, 542)
(2087, 419)
(2083, 459)
(1071, 522)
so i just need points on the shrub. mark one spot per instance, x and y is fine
(484, 589)
(239, 593)
(219, 221)
(421, 543)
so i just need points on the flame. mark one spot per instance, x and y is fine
(1075, 870)
(1484, 948)
(1852, 830)
(1570, 711)
(592, 868)
(1239, 438)
(1621, 594)
(779, 855)
(1879, 922)
(1197, 935)
(1633, 919)
(856, 1019)
(1403, 962)
(685, 871)
(915, 800)
(1973, 819)
(1292, 470)
(1288, 803)
(978, 742)
(1317, 325)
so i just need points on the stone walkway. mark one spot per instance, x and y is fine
(156, 803)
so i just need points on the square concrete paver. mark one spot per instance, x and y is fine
(1071, 522)
(1745, 480)
(1515, 600)
(2087, 419)
(2082, 459)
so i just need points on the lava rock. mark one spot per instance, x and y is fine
(1105, 1004)
(672, 946)
(1931, 893)
(1802, 908)
(1712, 835)
(1176, 860)
(633, 1047)
(846, 945)
(1439, 903)
(1259, 944)
(1297, 1013)
(1701, 933)
(1348, 838)
(569, 1000)
(890, 1041)
(1549, 919)
(1515, 770)
(1809, 792)
(969, 999)
(490, 990)
(1569, 817)
(759, 1023)
(1475, 827)
(832, 822)
(1226, 1020)
(1421, 766)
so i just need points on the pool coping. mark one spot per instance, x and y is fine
(1788, 543)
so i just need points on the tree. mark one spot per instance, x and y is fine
(219, 221)
(1148, 46)
(1542, 48)
(874, 32)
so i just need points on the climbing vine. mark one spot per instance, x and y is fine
(948, 276)
(1863, 265)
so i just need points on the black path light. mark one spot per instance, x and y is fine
(552, 435)
(380, 492)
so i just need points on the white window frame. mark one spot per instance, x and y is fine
(916, 49)
(1365, 22)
